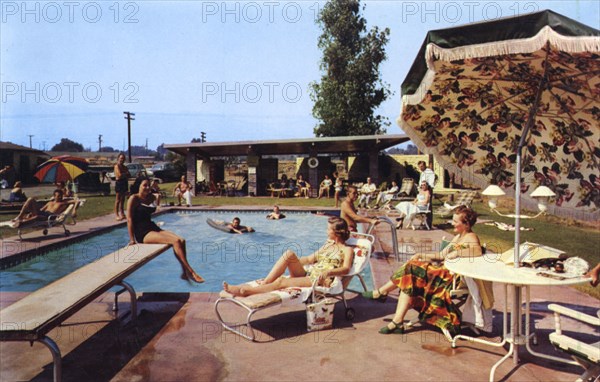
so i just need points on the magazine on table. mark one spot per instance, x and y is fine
(529, 253)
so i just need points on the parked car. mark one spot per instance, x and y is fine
(165, 171)
(134, 168)
(91, 182)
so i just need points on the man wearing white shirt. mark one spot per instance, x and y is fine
(367, 191)
(427, 174)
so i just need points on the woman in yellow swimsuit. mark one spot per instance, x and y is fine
(334, 258)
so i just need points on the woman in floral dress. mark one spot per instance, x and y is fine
(425, 284)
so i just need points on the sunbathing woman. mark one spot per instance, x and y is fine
(334, 258)
(425, 286)
(143, 230)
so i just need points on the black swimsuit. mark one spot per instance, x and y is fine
(142, 224)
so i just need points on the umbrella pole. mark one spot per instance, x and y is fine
(516, 322)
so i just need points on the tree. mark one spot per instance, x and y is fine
(351, 88)
(67, 145)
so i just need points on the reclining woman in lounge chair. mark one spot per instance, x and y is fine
(142, 229)
(421, 203)
(334, 258)
(425, 286)
(31, 210)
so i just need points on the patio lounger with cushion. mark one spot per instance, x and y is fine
(363, 247)
(586, 354)
(35, 315)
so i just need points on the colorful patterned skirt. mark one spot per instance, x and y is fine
(429, 287)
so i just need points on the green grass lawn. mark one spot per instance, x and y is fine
(575, 239)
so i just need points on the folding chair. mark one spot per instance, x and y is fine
(363, 248)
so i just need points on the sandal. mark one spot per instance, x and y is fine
(398, 329)
(369, 294)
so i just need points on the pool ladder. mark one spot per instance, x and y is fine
(385, 219)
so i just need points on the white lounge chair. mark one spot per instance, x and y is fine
(587, 355)
(363, 248)
(463, 199)
(51, 221)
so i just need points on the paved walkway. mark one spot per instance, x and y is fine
(178, 337)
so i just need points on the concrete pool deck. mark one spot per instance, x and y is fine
(178, 337)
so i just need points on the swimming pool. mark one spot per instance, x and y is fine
(215, 255)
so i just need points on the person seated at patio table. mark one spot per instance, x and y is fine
(421, 203)
(275, 214)
(284, 186)
(334, 258)
(143, 230)
(385, 196)
(425, 283)
(17, 194)
(367, 191)
(303, 187)
(324, 187)
(235, 226)
(31, 210)
(594, 274)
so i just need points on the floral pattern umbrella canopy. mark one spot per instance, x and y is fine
(475, 99)
(61, 169)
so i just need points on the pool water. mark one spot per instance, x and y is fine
(217, 256)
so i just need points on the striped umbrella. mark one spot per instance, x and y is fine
(61, 169)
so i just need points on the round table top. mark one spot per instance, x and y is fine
(489, 268)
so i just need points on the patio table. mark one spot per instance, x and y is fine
(489, 268)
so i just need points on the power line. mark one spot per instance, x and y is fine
(30, 142)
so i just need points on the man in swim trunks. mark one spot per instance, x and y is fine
(348, 211)
(235, 226)
(31, 210)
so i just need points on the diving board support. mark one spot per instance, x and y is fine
(47, 308)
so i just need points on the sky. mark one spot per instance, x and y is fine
(236, 70)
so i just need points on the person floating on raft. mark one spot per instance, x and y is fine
(233, 227)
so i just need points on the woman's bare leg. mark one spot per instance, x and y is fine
(167, 237)
(290, 261)
(280, 283)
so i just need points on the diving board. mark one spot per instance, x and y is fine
(32, 317)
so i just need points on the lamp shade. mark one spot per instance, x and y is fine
(493, 190)
(541, 192)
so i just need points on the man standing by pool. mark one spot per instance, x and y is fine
(348, 211)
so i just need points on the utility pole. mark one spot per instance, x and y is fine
(30, 143)
(99, 142)
(202, 136)
(129, 118)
